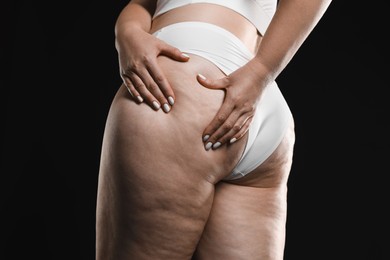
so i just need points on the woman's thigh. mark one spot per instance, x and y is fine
(156, 180)
(247, 219)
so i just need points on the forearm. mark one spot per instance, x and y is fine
(136, 14)
(291, 25)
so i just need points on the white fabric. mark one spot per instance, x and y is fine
(258, 12)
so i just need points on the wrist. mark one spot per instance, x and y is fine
(124, 29)
(260, 71)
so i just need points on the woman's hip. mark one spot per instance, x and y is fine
(136, 134)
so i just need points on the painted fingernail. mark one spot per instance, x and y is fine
(233, 140)
(201, 76)
(171, 100)
(205, 138)
(140, 99)
(208, 145)
(185, 55)
(216, 145)
(156, 105)
(166, 108)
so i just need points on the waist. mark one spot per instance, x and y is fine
(213, 14)
(209, 41)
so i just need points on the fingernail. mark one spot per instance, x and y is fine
(205, 138)
(233, 140)
(216, 145)
(185, 55)
(208, 145)
(171, 100)
(156, 105)
(201, 76)
(166, 108)
(140, 99)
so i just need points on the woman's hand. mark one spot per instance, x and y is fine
(243, 89)
(139, 70)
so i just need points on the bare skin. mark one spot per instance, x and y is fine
(155, 196)
(161, 195)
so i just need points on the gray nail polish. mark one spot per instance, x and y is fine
(156, 105)
(201, 76)
(205, 138)
(233, 140)
(171, 100)
(166, 108)
(140, 99)
(208, 145)
(216, 145)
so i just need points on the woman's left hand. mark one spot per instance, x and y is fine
(243, 89)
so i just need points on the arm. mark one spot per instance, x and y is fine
(138, 51)
(290, 26)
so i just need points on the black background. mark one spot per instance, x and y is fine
(59, 74)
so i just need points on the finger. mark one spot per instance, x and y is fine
(235, 131)
(213, 83)
(244, 129)
(155, 91)
(162, 82)
(172, 52)
(216, 139)
(130, 87)
(223, 114)
(144, 92)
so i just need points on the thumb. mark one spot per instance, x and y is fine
(213, 83)
(172, 52)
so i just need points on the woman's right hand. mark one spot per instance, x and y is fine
(139, 70)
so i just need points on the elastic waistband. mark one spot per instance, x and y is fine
(210, 41)
(191, 25)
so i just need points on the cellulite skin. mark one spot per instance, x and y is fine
(157, 182)
(160, 194)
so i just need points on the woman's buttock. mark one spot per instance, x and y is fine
(174, 140)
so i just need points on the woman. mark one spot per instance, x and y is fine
(199, 140)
